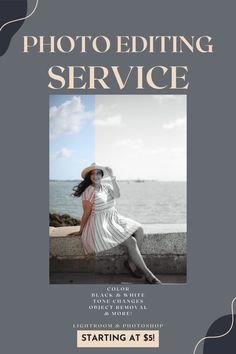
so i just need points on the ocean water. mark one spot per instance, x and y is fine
(145, 202)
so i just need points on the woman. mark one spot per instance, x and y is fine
(102, 227)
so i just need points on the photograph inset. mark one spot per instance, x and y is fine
(118, 189)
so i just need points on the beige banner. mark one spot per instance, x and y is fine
(118, 339)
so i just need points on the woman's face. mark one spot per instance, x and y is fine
(96, 176)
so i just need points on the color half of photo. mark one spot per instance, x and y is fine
(118, 189)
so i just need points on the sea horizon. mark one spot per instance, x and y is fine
(147, 201)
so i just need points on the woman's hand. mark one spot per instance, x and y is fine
(109, 171)
(77, 233)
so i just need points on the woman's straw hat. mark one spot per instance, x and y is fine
(94, 166)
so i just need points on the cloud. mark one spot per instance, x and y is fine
(178, 152)
(68, 117)
(136, 148)
(113, 121)
(157, 151)
(99, 109)
(178, 123)
(168, 98)
(64, 153)
(163, 97)
(134, 144)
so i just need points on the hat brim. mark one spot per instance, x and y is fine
(92, 168)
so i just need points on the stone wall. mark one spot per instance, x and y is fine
(163, 249)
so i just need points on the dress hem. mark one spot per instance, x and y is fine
(118, 244)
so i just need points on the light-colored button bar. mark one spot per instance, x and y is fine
(118, 339)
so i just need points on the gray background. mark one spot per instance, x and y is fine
(38, 317)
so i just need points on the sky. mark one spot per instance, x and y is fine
(138, 136)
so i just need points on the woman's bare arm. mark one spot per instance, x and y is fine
(116, 189)
(87, 206)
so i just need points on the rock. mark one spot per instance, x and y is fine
(58, 220)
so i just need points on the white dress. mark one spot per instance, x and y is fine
(105, 228)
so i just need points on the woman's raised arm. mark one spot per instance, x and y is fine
(116, 189)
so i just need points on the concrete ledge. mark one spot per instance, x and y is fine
(163, 249)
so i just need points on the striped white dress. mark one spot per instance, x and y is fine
(105, 228)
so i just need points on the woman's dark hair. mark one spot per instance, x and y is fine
(78, 190)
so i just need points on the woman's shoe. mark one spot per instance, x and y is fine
(136, 273)
(153, 280)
